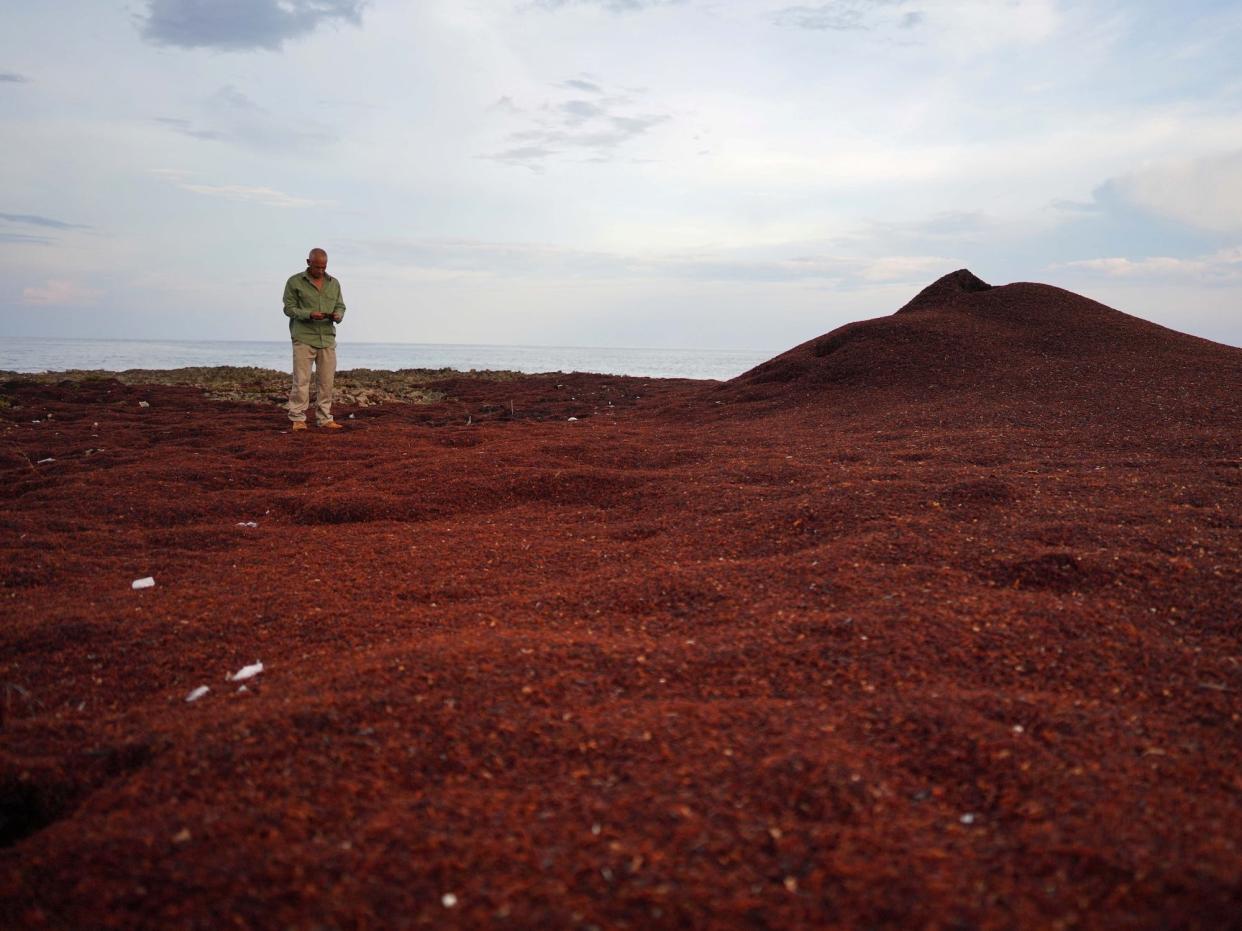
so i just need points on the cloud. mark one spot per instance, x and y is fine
(614, 6)
(581, 84)
(29, 219)
(59, 292)
(842, 15)
(187, 128)
(591, 130)
(1076, 206)
(524, 156)
(1203, 192)
(264, 196)
(516, 260)
(917, 245)
(1221, 267)
(895, 268)
(230, 116)
(946, 225)
(10, 77)
(29, 238)
(579, 111)
(268, 197)
(957, 25)
(236, 25)
(40, 223)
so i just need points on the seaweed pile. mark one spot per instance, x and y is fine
(930, 622)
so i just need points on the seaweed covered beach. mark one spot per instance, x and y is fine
(933, 621)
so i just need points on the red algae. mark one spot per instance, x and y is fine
(932, 622)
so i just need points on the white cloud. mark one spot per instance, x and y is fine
(1203, 192)
(1222, 267)
(1119, 267)
(268, 197)
(615, 6)
(839, 15)
(963, 26)
(60, 292)
(231, 116)
(264, 196)
(491, 261)
(989, 23)
(592, 130)
(913, 268)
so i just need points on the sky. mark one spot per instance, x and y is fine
(742, 174)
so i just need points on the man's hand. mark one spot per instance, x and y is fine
(336, 318)
(319, 316)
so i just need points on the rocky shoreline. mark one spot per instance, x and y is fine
(360, 386)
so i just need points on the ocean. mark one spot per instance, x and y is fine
(46, 354)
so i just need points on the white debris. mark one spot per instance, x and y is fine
(197, 693)
(247, 523)
(148, 582)
(968, 818)
(242, 688)
(41, 461)
(448, 900)
(247, 672)
(144, 403)
(571, 419)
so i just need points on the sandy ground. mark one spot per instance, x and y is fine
(931, 622)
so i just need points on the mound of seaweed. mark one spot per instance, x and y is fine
(960, 332)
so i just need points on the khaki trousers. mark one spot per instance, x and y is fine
(299, 395)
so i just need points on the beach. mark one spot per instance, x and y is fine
(932, 621)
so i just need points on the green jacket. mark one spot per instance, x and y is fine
(303, 299)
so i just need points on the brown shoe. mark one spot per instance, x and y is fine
(298, 425)
(331, 425)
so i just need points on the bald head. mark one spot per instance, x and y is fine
(316, 263)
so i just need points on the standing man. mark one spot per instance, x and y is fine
(313, 305)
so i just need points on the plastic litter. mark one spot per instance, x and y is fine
(148, 582)
(247, 672)
(197, 693)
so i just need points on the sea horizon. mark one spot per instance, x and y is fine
(50, 354)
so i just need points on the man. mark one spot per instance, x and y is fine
(313, 305)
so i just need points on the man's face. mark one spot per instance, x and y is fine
(316, 265)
